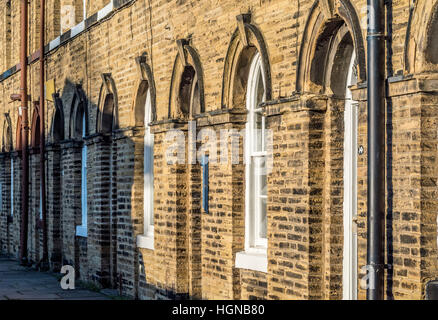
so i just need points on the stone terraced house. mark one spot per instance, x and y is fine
(133, 87)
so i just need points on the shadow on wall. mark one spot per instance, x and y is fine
(94, 187)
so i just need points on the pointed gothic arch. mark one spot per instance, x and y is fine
(35, 129)
(7, 144)
(421, 48)
(187, 80)
(323, 31)
(107, 109)
(79, 106)
(18, 135)
(145, 84)
(57, 133)
(245, 42)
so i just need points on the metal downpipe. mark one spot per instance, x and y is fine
(376, 149)
(24, 134)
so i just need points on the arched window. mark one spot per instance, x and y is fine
(7, 147)
(12, 187)
(189, 98)
(187, 85)
(107, 111)
(147, 239)
(58, 120)
(82, 230)
(18, 136)
(350, 186)
(79, 109)
(255, 156)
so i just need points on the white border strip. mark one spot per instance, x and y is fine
(77, 29)
(102, 13)
(80, 27)
(54, 43)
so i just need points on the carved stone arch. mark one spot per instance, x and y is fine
(78, 107)
(421, 48)
(246, 40)
(107, 109)
(35, 128)
(319, 33)
(7, 144)
(348, 13)
(187, 74)
(57, 133)
(145, 83)
(18, 135)
(338, 63)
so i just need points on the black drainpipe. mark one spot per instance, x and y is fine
(376, 149)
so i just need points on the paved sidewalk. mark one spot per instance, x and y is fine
(20, 283)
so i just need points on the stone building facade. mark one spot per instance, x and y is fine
(129, 74)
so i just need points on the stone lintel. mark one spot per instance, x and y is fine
(168, 125)
(16, 154)
(128, 132)
(71, 144)
(4, 155)
(222, 116)
(296, 103)
(34, 150)
(97, 138)
(410, 84)
(53, 147)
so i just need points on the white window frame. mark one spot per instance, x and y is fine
(146, 240)
(255, 255)
(84, 8)
(82, 230)
(12, 187)
(41, 202)
(1, 195)
(349, 274)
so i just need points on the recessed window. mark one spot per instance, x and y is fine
(82, 229)
(41, 203)
(147, 239)
(256, 191)
(12, 186)
(256, 241)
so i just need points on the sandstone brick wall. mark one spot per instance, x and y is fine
(194, 251)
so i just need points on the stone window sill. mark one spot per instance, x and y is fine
(81, 231)
(145, 241)
(253, 259)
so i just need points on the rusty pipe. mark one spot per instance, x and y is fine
(42, 134)
(24, 134)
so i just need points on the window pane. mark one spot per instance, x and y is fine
(260, 196)
(148, 173)
(260, 94)
(263, 218)
(258, 126)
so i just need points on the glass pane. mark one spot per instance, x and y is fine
(263, 218)
(260, 196)
(263, 197)
(258, 126)
(263, 183)
(151, 180)
(260, 94)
